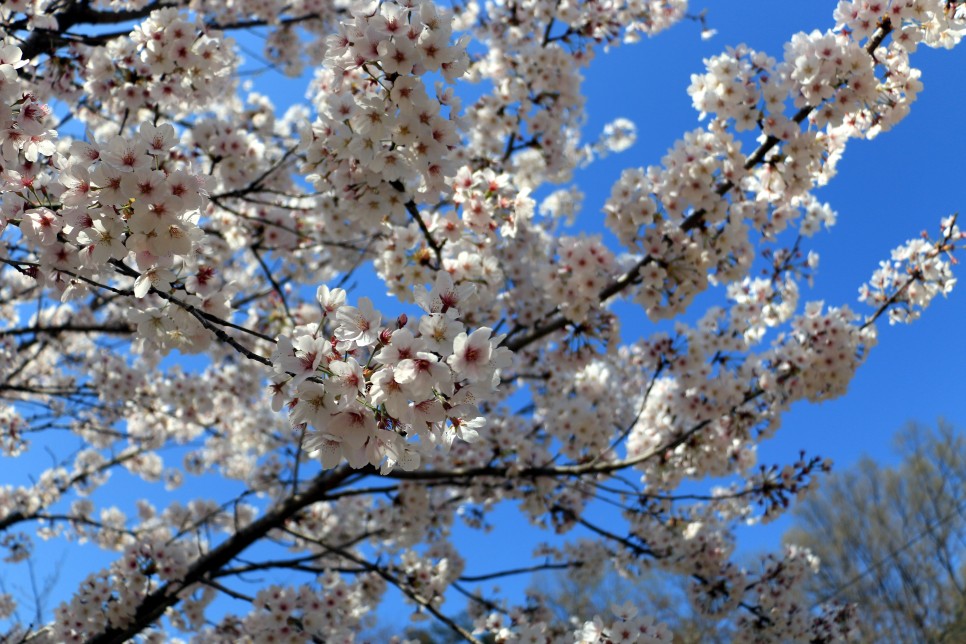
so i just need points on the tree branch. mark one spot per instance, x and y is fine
(153, 606)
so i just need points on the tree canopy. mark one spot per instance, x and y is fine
(176, 309)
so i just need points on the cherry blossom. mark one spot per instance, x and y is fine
(180, 271)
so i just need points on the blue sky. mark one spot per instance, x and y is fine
(886, 191)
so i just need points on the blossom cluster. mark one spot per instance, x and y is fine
(168, 63)
(111, 598)
(531, 120)
(368, 392)
(585, 268)
(465, 242)
(124, 198)
(25, 123)
(576, 406)
(646, 211)
(628, 626)
(377, 124)
(933, 22)
(12, 426)
(919, 271)
(285, 614)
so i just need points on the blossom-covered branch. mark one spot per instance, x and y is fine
(175, 297)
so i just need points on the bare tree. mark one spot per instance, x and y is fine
(891, 539)
(665, 597)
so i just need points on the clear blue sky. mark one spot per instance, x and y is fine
(886, 191)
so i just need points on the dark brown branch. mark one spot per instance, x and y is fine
(112, 329)
(403, 587)
(47, 41)
(413, 211)
(521, 571)
(154, 605)
(18, 517)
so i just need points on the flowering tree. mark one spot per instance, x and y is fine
(173, 250)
